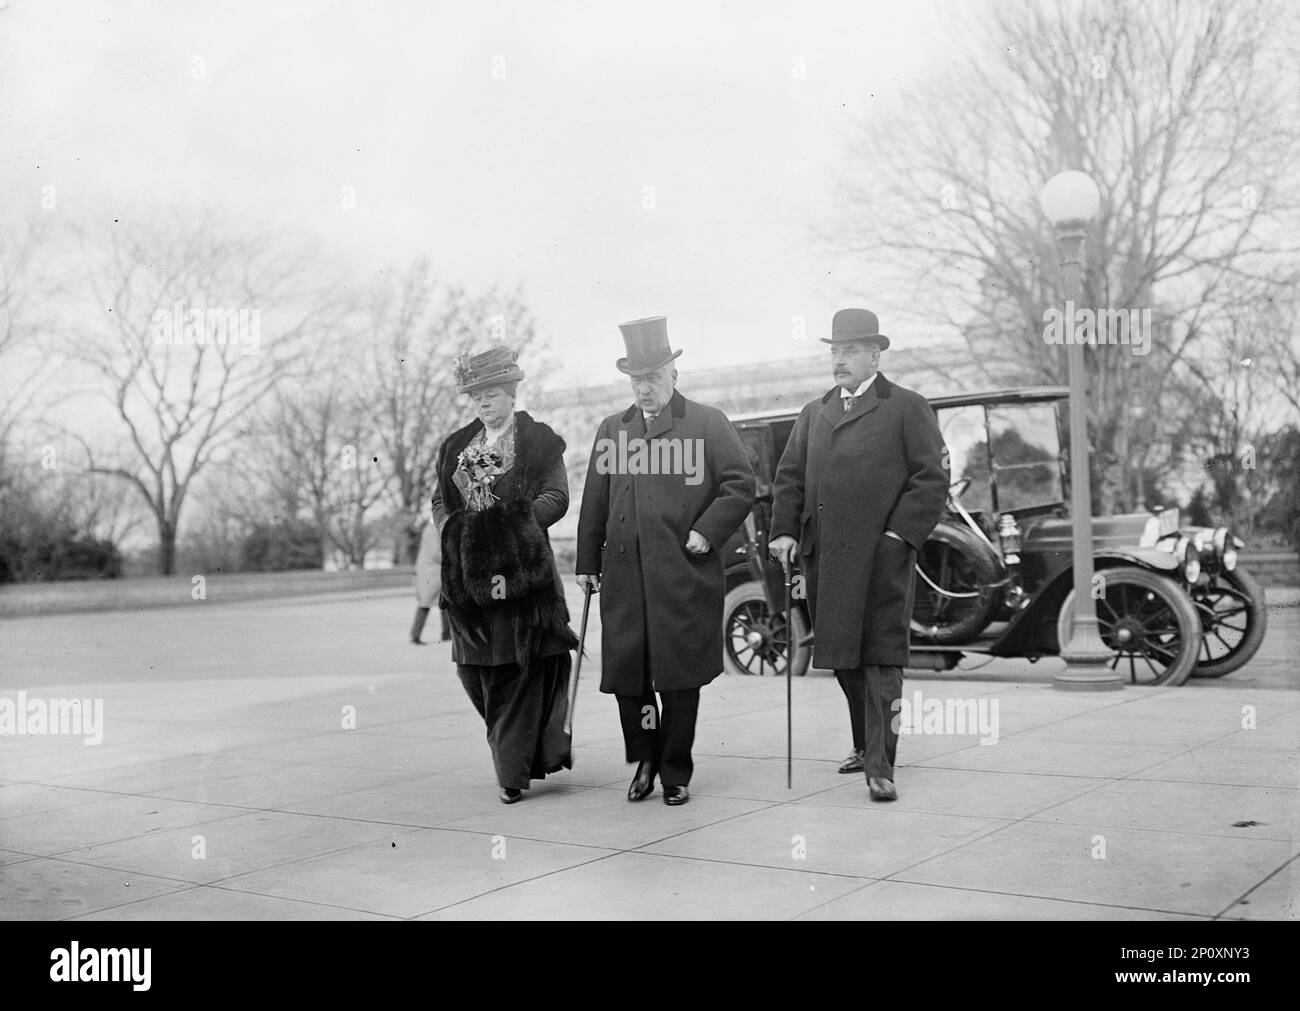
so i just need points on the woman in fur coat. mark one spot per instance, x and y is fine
(501, 484)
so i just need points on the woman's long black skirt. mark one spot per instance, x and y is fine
(524, 716)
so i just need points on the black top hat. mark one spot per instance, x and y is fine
(493, 367)
(647, 345)
(856, 325)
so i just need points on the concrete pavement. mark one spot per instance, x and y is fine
(299, 760)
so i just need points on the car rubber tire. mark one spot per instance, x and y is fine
(1257, 625)
(750, 597)
(1180, 604)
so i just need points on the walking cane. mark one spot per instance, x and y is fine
(789, 669)
(577, 666)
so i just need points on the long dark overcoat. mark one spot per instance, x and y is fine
(658, 600)
(843, 480)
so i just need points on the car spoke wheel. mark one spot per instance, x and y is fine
(757, 642)
(1234, 618)
(1148, 621)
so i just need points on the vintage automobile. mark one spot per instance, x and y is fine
(996, 576)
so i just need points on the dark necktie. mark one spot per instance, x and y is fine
(849, 401)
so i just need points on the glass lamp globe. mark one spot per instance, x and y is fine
(1070, 197)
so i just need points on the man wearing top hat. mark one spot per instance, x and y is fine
(859, 488)
(668, 482)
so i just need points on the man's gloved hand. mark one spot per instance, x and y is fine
(587, 580)
(697, 543)
(783, 549)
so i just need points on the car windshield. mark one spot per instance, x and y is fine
(965, 436)
(1025, 454)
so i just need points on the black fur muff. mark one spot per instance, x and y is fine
(504, 555)
(468, 624)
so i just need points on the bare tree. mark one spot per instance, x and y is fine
(29, 289)
(193, 322)
(415, 329)
(1184, 114)
(330, 463)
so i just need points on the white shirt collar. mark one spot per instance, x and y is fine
(845, 394)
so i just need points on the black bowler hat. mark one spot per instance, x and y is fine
(647, 345)
(856, 325)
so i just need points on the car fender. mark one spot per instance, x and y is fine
(1145, 558)
(1033, 630)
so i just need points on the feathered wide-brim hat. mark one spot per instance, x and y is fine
(495, 367)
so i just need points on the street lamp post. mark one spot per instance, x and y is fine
(1071, 200)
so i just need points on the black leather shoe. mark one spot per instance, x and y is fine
(509, 795)
(674, 795)
(881, 789)
(856, 762)
(643, 783)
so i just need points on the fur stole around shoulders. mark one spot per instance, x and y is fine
(500, 556)
(536, 448)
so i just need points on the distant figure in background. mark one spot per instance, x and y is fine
(501, 484)
(428, 583)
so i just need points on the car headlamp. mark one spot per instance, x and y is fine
(1189, 559)
(1229, 552)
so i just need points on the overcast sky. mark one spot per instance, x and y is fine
(511, 142)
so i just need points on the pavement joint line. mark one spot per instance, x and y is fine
(1115, 826)
(131, 902)
(243, 808)
(1208, 782)
(974, 837)
(309, 902)
(1099, 784)
(450, 827)
(1259, 884)
(1196, 747)
(1055, 898)
(57, 854)
(1019, 821)
(1014, 772)
(502, 888)
(768, 806)
(695, 858)
(231, 877)
(441, 826)
(118, 870)
(671, 857)
(867, 883)
(120, 905)
(223, 883)
(1067, 719)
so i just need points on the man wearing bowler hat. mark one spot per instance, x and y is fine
(859, 488)
(668, 482)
